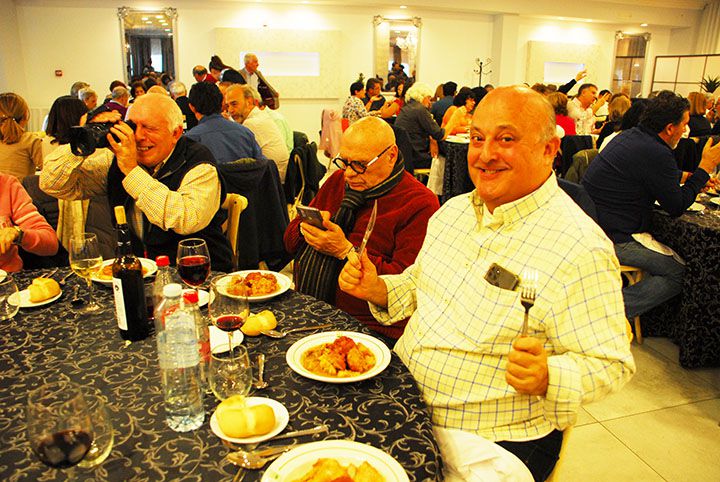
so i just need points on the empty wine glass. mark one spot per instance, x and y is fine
(85, 260)
(9, 304)
(228, 306)
(230, 375)
(59, 424)
(193, 261)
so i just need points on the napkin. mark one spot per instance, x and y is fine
(652, 244)
(469, 457)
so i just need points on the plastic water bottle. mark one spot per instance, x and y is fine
(179, 359)
(164, 276)
(190, 301)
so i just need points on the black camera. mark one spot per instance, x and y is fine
(93, 135)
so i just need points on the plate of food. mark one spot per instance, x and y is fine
(248, 420)
(337, 460)
(715, 200)
(338, 357)
(696, 207)
(104, 274)
(41, 292)
(258, 284)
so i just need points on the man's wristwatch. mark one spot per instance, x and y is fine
(21, 234)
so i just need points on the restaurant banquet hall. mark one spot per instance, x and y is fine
(282, 160)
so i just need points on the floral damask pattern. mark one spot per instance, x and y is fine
(46, 343)
(692, 319)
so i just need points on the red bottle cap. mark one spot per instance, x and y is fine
(162, 260)
(190, 296)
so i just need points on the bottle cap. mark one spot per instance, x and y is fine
(120, 215)
(162, 260)
(172, 290)
(190, 296)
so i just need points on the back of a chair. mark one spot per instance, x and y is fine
(580, 163)
(569, 145)
(234, 204)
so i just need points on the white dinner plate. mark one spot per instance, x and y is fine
(294, 464)
(3, 274)
(22, 299)
(379, 349)
(203, 297)
(282, 417)
(219, 339)
(696, 207)
(283, 281)
(148, 264)
(715, 200)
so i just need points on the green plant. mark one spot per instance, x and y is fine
(710, 84)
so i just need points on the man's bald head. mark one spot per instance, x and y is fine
(529, 104)
(365, 140)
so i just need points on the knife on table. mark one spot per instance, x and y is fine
(368, 230)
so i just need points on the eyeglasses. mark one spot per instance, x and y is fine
(358, 166)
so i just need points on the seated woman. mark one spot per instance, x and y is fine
(559, 102)
(137, 89)
(699, 125)
(458, 101)
(20, 151)
(419, 124)
(392, 107)
(619, 104)
(462, 116)
(21, 225)
(354, 108)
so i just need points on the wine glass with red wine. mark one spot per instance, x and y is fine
(59, 424)
(228, 307)
(193, 261)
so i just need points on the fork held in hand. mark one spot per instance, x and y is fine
(528, 291)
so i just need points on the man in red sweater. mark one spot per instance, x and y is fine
(371, 169)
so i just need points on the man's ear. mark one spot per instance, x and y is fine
(551, 148)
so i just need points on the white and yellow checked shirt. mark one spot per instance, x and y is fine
(462, 328)
(185, 211)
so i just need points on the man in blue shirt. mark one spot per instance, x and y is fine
(636, 169)
(441, 106)
(227, 140)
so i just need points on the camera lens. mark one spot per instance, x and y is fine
(93, 135)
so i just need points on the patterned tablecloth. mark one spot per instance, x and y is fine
(456, 179)
(692, 320)
(45, 343)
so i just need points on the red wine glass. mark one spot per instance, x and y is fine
(193, 261)
(59, 424)
(228, 307)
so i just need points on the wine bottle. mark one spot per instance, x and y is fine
(128, 288)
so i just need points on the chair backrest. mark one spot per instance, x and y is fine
(580, 162)
(234, 204)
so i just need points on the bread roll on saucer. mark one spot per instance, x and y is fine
(43, 289)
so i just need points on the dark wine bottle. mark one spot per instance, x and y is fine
(128, 287)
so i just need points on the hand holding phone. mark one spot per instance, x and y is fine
(311, 216)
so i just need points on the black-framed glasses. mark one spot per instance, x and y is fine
(358, 166)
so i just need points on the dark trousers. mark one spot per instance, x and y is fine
(540, 456)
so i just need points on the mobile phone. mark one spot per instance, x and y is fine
(500, 277)
(311, 216)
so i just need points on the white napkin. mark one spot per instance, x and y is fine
(652, 244)
(470, 458)
(437, 174)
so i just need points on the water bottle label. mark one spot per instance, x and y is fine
(119, 304)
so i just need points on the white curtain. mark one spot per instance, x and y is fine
(708, 41)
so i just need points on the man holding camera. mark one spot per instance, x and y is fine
(485, 374)
(169, 184)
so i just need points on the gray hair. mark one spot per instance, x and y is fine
(86, 94)
(77, 86)
(177, 89)
(248, 92)
(119, 92)
(168, 108)
(249, 56)
(419, 91)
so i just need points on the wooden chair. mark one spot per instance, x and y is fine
(553, 477)
(633, 275)
(421, 173)
(235, 204)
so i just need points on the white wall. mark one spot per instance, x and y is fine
(83, 40)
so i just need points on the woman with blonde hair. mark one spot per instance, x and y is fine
(616, 110)
(20, 151)
(699, 125)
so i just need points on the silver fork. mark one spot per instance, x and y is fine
(528, 291)
(49, 274)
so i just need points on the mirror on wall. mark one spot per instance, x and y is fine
(148, 39)
(397, 48)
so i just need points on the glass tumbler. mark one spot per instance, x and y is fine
(9, 302)
(103, 435)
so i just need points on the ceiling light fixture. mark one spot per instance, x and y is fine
(403, 6)
(643, 25)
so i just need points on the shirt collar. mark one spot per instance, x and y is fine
(516, 210)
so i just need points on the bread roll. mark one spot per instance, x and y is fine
(237, 420)
(265, 320)
(43, 289)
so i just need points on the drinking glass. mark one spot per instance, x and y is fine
(230, 375)
(8, 307)
(85, 260)
(193, 261)
(59, 424)
(228, 311)
(104, 437)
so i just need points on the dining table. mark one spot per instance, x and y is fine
(456, 179)
(692, 319)
(54, 341)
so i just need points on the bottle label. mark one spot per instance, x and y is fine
(119, 304)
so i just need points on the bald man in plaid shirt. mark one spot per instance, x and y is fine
(497, 397)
